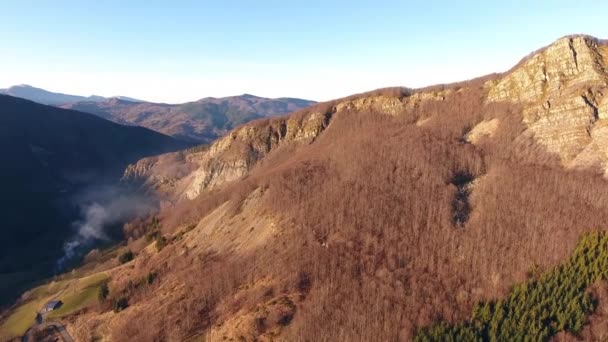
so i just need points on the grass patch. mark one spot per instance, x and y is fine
(23, 316)
(75, 302)
(75, 294)
(21, 319)
(49, 289)
(86, 295)
(93, 280)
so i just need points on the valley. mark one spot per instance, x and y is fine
(466, 211)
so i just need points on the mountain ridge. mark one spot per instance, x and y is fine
(584, 152)
(408, 207)
(199, 121)
(304, 164)
(46, 97)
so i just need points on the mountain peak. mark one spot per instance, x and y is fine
(561, 89)
(46, 97)
(575, 58)
(116, 100)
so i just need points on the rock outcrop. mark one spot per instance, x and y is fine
(561, 90)
(189, 172)
(483, 129)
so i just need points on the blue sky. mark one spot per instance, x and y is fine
(176, 51)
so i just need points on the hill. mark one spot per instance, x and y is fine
(201, 121)
(474, 210)
(49, 155)
(50, 98)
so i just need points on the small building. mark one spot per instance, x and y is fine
(51, 305)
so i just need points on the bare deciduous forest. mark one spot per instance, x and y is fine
(387, 226)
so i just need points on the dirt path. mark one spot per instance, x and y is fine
(59, 328)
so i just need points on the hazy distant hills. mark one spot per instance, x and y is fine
(50, 98)
(200, 121)
(48, 154)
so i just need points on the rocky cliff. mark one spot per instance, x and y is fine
(189, 172)
(561, 89)
(234, 155)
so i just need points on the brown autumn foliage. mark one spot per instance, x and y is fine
(369, 247)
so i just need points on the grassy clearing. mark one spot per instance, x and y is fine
(21, 319)
(75, 294)
(85, 295)
(49, 289)
(93, 280)
(75, 302)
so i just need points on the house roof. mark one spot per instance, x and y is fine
(51, 304)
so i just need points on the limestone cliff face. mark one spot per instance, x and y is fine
(189, 172)
(562, 90)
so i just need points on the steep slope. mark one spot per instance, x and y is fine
(560, 89)
(370, 217)
(48, 155)
(39, 95)
(199, 121)
(186, 174)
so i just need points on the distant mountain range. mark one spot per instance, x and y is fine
(50, 98)
(199, 121)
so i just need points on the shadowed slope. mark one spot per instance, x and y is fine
(48, 155)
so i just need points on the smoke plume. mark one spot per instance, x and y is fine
(102, 208)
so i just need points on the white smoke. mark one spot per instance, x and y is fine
(100, 209)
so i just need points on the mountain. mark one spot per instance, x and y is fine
(49, 98)
(467, 211)
(49, 155)
(201, 121)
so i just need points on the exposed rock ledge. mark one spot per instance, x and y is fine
(561, 89)
(188, 173)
